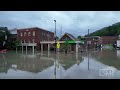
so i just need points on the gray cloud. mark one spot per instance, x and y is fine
(74, 22)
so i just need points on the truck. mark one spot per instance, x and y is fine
(118, 44)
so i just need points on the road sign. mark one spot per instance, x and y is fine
(58, 44)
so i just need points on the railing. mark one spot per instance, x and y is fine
(29, 44)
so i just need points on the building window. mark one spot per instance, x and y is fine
(48, 35)
(24, 41)
(28, 41)
(24, 33)
(33, 40)
(43, 34)
(21, 34)
(29, 33)
(18, 34)
(33, 33)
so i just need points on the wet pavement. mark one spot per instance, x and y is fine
(93, 64)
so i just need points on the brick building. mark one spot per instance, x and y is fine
(34, 36)
(96, 41)
(93, 41)
(108, 39)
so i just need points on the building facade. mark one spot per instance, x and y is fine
(91, 42)
(34, 35)
(96, 41)
(108, 39)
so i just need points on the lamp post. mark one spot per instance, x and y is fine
(55, 49)
(88, 48)
(55, 36)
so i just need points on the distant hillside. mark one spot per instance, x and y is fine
(112, 30)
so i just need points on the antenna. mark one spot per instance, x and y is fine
(61, 32)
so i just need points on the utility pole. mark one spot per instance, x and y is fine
(61, 32)
(88, 49)
(88, 40)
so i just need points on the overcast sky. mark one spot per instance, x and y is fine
(74, 22)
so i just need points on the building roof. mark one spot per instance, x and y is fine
(34, 28)
(70, 35)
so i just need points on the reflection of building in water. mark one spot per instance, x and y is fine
(118, 53)
(108, 57)
(33, 65)
(4, 66)
(25, 63)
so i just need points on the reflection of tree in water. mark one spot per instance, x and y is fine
(69, 60)
(4, 66)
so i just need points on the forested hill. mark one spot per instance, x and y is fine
(112, 30)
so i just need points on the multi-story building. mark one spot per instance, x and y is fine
(34, 36)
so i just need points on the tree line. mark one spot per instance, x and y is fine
(113, 30)
(5, 42)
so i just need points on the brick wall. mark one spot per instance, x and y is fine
(40, 35)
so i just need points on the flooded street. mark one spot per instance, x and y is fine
(47, 65)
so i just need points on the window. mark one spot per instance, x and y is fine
(48, 35)
(33, 40)
(43, 34)
(21, 34)
(24, 41)
(28, 41)
(33, 33)
(29, 33)
(18, 34)
(24, 33)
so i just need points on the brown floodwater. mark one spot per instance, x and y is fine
(95, 64)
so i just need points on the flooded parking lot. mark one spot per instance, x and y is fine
(95, 64)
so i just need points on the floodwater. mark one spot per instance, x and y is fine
(93, 64)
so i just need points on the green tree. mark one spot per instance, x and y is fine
(112, 30)
(4, 36)
(66, 45)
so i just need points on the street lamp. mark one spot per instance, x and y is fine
(55, 35)
(55, 49)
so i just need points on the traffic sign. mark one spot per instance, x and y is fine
(58, 44)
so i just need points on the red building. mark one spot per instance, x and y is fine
(108, 39)
(34, 35)
(92, 41)
(96, 41)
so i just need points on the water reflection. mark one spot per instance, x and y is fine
(48, 65)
